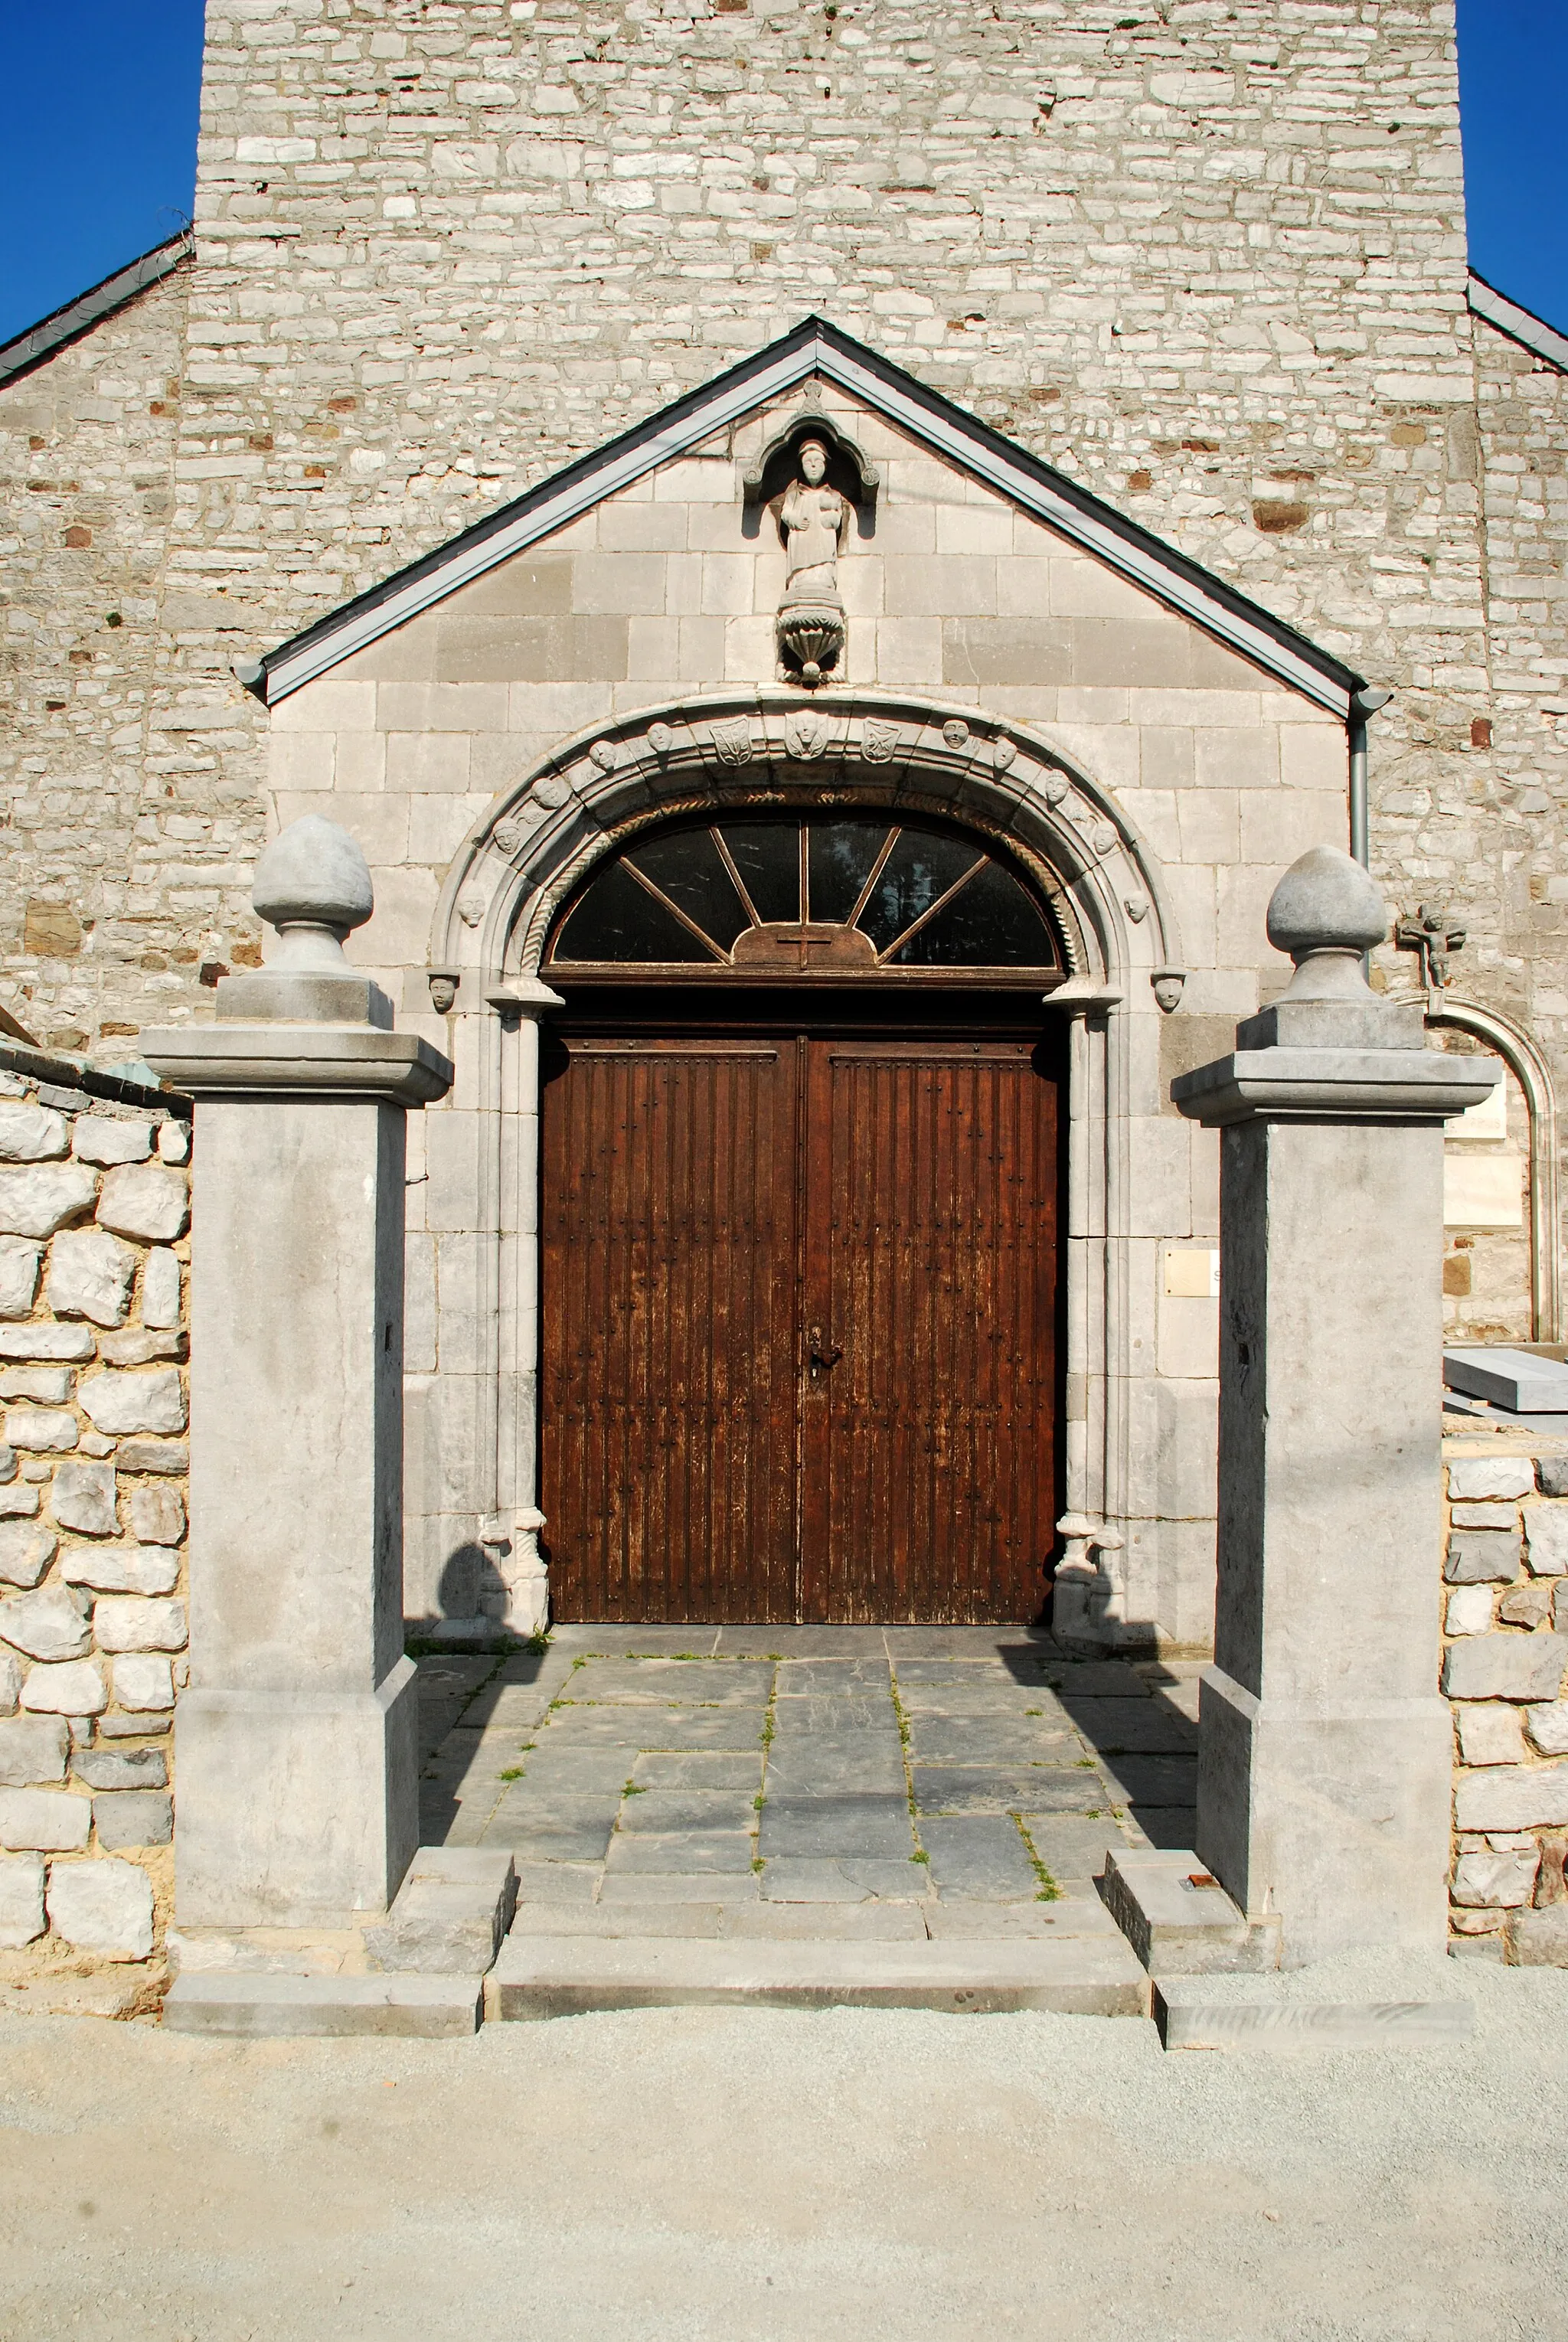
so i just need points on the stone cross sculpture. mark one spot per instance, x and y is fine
(1324, 1750)
(298, 1787)
(810, 626)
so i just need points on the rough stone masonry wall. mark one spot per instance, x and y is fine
(1209, 259)
(87, 947)
(1505, 1646)
(94, 1203)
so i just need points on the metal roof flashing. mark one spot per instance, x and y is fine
(814, 349)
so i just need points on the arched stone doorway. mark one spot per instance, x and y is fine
(1084, 1020)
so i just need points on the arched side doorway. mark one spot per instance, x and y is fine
(801, 1196)
(1086, 1023)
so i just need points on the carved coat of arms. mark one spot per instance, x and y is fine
(878, 740)
(732, 741)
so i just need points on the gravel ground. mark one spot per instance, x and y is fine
(697, 2173)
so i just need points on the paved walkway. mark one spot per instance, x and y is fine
(899, 1782)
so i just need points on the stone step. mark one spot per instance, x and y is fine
(1189, 2018)
(262, 2007)
(1180, 1920)
(569, 1976)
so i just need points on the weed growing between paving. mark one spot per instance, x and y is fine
(1047, 1891)
(905, 1742)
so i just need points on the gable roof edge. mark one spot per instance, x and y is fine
(1521, 325)
(814, 347)
(84, 310)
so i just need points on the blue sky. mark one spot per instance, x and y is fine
(98, 129)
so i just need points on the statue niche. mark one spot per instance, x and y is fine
(802, 480)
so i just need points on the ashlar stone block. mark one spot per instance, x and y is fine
(19, 1262)
(129, 1399)
(129, 1817)
(1546, 1539)
(1491, 1733)
(145, 1200)
(158, 1515)
(44, 1821)
(32, 1749)
(143, 1684)
(97, 1138)
(160, 1289)
(74, 1688)
(51, 1623)
(1477, 1478)
(90, 1275)
(42, 1430)
(26, 1549)
(83, 1498)
(21, 1901)
(104, 1908)
(121, 1569)
(139, 1623)
(32, 1134)
(35, 1202)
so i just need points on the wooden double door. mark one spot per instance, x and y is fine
(800, 1323)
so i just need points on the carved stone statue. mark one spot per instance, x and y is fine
(810, 626)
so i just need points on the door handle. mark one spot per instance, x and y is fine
(823, 1353)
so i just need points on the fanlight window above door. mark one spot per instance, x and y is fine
(777, 894)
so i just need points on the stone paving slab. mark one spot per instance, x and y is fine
(1143, 1726)
(1007, 1789)
(985, 1739)
(656, 1641)
(1071, 1847)
(682, 1850)
(807, 1712)
(666, 1810)
(869, 1677)
(588, 1771)
(876, 1828)
(803, 1642)
(978, 1855)
(684, 1682)
(844, 1878)
(699, 1769)
(662, 1727)
(1152, 1780)
(636, 1887)
(1162, 1826)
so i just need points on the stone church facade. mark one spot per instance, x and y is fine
(424, 492)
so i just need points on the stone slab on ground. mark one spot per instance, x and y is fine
(1200, 2024)
(540, 1976)
(1359, 2000)
(268, 2007)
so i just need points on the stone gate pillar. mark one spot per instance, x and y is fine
(1325, 1753)
(298, 1801)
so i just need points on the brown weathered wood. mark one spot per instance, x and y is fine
(714, 1200)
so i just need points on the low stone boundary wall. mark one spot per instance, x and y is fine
(93, 1211)
(1505, 1647)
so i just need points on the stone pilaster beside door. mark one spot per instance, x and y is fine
(298, 1784)
(1325, 1751)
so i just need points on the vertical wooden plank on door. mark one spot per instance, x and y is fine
(668, 1375)
(929, 1448)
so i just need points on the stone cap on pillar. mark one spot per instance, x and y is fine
(1330, 1049)
(306, 1025)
